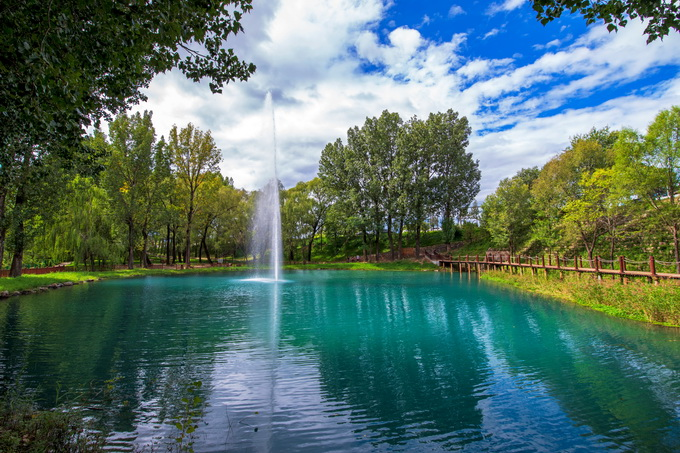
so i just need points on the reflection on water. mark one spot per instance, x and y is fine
(346, 361)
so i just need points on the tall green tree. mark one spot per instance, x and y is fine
(194, 156)
(457, 173)
(342, 172)
(560, 183)
(648, 167)
(508, 213)
(381, 176)
(129, 170)
(417, 162)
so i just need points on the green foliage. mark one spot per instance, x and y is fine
(393, 176)
(186, 421)
(69, 63)
(508, 213)
(194, 158)
(661, 17)
(648, 168)
(23, 428)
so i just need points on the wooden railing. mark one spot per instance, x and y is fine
(598, 266)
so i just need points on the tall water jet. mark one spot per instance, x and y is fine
(266, 246)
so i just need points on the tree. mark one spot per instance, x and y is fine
(66, 64)
(457, 173)
(661, 16)
(381, 157)
(648, 167)
(507, 213)
(194, 156)
(129, 172)
(84, 229)
(560, 183)
(416, 162)
(35, 180)
(303, 212)
(342, 174)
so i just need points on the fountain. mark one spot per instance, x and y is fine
(266, 241)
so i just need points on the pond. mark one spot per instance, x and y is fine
(344, 361)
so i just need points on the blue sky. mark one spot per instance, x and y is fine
(526, 88)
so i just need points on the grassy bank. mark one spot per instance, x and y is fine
(638, 300)
(32, 282)
(28, 282)
(403, 265)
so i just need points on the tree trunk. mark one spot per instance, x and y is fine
(131, 246)
(3, 228)
(19, 237)
(167, 244)
(390, 236)
(205, 245)
(19, 243)
(309, 249)
(377, 244)
(365, 244)
(418, 240)
(145, 249)
(400, 239)
(187, 249)
(676, 247)
(174, 244)
(17, 259)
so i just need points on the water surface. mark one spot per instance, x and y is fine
(345, 361)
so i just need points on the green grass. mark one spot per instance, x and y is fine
(27, 282)
(403, 265)
(637, 300)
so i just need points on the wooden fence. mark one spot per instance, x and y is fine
(622, 268)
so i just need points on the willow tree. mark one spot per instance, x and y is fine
(194, 156)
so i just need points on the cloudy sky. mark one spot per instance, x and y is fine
(526, 88)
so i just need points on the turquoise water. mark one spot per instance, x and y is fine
(345, 361)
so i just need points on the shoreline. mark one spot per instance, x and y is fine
(640, 302)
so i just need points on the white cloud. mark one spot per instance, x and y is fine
(492, 32)
(313, 56)
(456, 10)
(507, 5)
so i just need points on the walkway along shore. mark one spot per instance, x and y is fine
(618, 268)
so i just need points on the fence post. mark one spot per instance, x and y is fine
(622, 267)
(652, 270)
